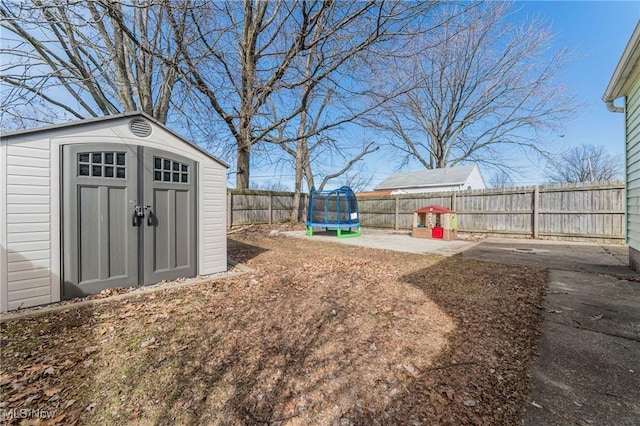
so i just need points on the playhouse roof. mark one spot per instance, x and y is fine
(434, 209)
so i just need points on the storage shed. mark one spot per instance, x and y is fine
(117, 201)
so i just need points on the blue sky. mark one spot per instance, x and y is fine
(599, 32)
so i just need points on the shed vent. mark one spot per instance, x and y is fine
(140, 127)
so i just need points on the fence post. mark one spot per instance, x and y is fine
(397, 215)
(536, 209)
(453, 201)
(270, 207)
(229, 209)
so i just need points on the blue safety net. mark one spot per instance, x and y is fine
(334, 209)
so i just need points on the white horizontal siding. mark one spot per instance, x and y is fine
(213, 222)
(633, 164)
(28, 274)
(3, 227)
(28, 223)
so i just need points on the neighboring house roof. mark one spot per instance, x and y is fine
(427, 178)
(107, 118)
(628, 67)
(373, 193)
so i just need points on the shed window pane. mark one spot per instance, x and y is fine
(83, 170)
(108, 158)
(120, 172)
(96, 171)
(108, 171)
(96, 157)
(83, 158)
(120, 159)
(166, 170)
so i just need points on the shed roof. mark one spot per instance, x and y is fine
(89, 121)
(628, 67)
(427, 178)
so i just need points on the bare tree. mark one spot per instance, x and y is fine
(259, 63)
(68, 59)
(501, 179)
(478, 86)
(584, 163)
(336, 92)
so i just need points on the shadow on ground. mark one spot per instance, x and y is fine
(481, 378)
(242, 252)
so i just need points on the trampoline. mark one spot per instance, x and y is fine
(334, 210)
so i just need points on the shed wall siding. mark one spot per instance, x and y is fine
(28, 223)
(3, 227)
(633, 164)
(213, 221)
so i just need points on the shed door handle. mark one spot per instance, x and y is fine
(150, 216)
(138, 213)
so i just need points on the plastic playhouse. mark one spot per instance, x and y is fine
(435, 222)
(336, 209)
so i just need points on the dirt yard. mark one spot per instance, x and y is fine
(318, 334)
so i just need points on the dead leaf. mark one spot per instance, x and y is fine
(449, 392)
(50, 392)
(148, 342)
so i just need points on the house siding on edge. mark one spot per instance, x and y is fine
(625, 83)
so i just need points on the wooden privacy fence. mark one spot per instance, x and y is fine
(580, 212)
(253, 206)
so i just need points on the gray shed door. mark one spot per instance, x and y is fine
(129, 217)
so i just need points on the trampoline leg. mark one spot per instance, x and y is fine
(310, 231)
(349, 234)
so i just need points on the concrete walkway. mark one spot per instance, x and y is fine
(587, 368)
(587, 371)
(390, 240)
